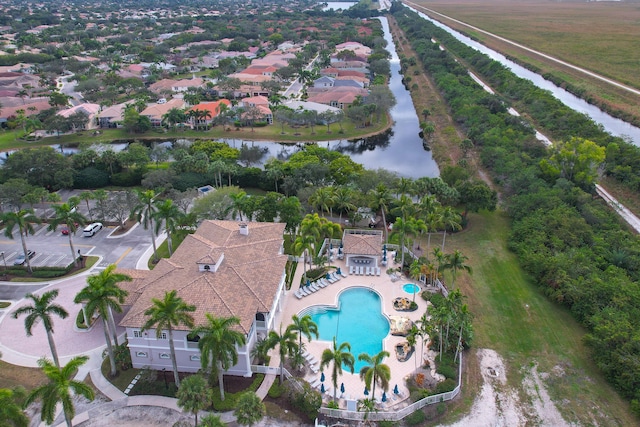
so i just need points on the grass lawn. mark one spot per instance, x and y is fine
(9, 139)
(12, 376)
(163, 249)
(514, 318)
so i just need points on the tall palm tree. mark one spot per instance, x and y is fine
(61, 388)
(102, 296)
(167, 314)
(323, 199)
(239, 201)
(343, 197)
(67, 213)
(173, 117)
(218, 345)
(432, 220)
(41, 310)
(451, 219)
(144, 212)
(11, 413)
(86, 196)
(304, 244)
(23, 219)
(380, 199)
(376, 372)
(303, 326)
(286, 343)
(340, 355)
(403, 228)
(166, 211)
(456, 262)
(464, 318)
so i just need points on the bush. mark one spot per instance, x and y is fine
(128, 179)
(308, 401)
(387, 423)
(447, 366)
(276, 390)
(436, 299)
(228, 404)
(91, 177)
(48, 274)
(415, 418)
(446, 385)
(256, 382)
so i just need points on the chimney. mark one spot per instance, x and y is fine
(244, 229)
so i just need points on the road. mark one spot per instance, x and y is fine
(536, 52)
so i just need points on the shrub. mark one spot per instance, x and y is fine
(387, 423)
(445, 386)
(333, 405)
(256, 382)
(228, 404)
(276, 390)
(48, 274)
(91, 177)
(415, 418)
(308, 401)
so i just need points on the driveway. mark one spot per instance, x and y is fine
(18, 349)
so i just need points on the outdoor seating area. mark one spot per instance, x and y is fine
(402, 304)
(323, 282)
(403, 351)
(400, 326)
(364, 271)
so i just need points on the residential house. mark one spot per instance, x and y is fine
(90, 110)
(212, 108)
(112, 117)
(155, 112)
(341, 97)
(225, 268)
(328, 82)
(311, 106)
(262, 104)
(358, 48)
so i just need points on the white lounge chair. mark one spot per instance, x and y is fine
(351, 269)
(377, 271)
(303, 291)
(330, 279)
(314, 287)
(344, 275)
(326, 283)
(320, 283)
(335, 276)
(298, 294)
(316, 383)
(367, 271)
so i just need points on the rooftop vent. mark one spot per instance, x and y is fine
(244, 229)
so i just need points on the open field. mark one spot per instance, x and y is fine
(603, 37)
(513, 318)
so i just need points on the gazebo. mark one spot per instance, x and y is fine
(362, 247)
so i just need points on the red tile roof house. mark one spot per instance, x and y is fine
(262, 104)
(341, 97)
(214, 109)
(225, 268)
(156, 111)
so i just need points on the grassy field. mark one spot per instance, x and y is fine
(514, 318)
(10, 140)
(603, 37)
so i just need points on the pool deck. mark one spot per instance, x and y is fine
(388, 291)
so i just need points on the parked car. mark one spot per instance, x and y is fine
(65, 229)
(21, 258)
(91, 229)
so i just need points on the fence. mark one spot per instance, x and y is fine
(400, 413)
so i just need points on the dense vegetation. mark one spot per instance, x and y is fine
(571, 244)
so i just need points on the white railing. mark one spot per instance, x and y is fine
(400, 413)
(272, 370)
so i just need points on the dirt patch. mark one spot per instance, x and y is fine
(122, 230)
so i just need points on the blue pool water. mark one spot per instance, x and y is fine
(410, 288)
(358, 321)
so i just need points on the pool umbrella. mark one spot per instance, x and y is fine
(322, 388)
(366, 391)
(338, 271)
(340, 245)
(384, 247)
(322, 377)
(384, 396)
(330, 245)
(327, 276)
(342, 388)
(308, 282)
(395, 389)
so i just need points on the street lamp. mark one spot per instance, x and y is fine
(5, 260)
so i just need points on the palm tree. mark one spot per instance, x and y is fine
(380, 199)
(376, 373)
(168, 313)
(304, 244)
(303, 326)
(61, 388)
(173, 117)
(455, 262)
(239, 201)
(424, 330)
(11, 414)
(286, 343)
(402, 228)
(41, 310)
(450, 218)
(432, 220)
(464, 317)
(218, 345)
(340, 355)
(323, 199)
(102, 295)
(23, 220)
(194, 395)
(167, 211)
(66, 213)
(86, 196)
(342, 200)
(144, 212)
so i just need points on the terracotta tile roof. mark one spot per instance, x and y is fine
(212, 107)
(362, 244)
(245, 282)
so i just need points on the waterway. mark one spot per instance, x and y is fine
(400, 149)
(611, 124)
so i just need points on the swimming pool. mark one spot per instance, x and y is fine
(358, 320)
(411, 288)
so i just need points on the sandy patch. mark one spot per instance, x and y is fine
(499, 405)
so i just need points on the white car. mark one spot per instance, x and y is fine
(91, 229)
